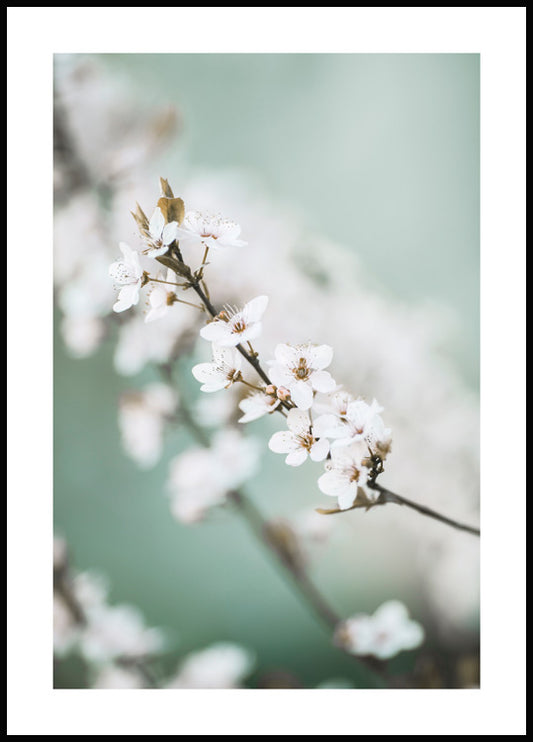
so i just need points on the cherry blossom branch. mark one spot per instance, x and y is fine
(63, 588)
(252, 360)
(386, 496)
(266, 533)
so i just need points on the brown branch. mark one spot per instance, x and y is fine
(386, 496)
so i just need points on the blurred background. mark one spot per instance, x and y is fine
(355, 179)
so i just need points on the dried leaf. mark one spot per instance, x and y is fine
(142, 221)
(166, 190)
(173, 209)
(175, 265)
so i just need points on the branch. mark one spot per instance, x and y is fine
(386, 496)
(263, 530)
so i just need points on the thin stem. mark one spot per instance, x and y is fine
(387, 496)
(252, 359)
(160, 280)
(306, 588)
(191, 304)
(252, 386)
(205, 256)
(260, 527)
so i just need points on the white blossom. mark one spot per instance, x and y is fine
(82, 335)
(222, 372)
(359, 421)
(142, 415)
(90, 590)
(384, 634)
(257, 404)
(140, 343)
(118, 631)
(336, 403)
(161, 234)
(161, 296)
(128, 274)
(308, 525)
(300, 369)
(232, 327)
(111, 676)
(222, 665)
(200, 478)
(209, 230)
(216, 411)
(345, 474)
(66, 629)
(298, 441)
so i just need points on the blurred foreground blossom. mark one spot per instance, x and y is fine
(118, 632)
(142, 415)
(383, 635)
(110, 677)
(222, 665)
(200, 478)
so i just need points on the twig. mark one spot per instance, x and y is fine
(386, 496)
(260, 527)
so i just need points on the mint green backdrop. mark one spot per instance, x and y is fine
(377, 152)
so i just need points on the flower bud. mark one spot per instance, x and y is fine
(283, 393)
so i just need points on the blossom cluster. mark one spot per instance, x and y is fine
(383, 635)
(324, 422)
(118, 647)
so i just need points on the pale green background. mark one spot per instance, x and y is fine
(377, 152)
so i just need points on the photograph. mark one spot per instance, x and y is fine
(266, 275)
(266, 371)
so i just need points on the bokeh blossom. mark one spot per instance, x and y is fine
(384, 634)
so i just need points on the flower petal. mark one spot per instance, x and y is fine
(282, 442)
(323, 381)
(254, 309)
(217, 332)
(209, 375)
(346, 497)
(301, 394)
(296, 458)
(127, 297)
(319, 450)
(298, 422)
(332, 483)
(280, 375)
(169, 232)
(157, 223)
(326, 425)
(319, 356)
(286, 354)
